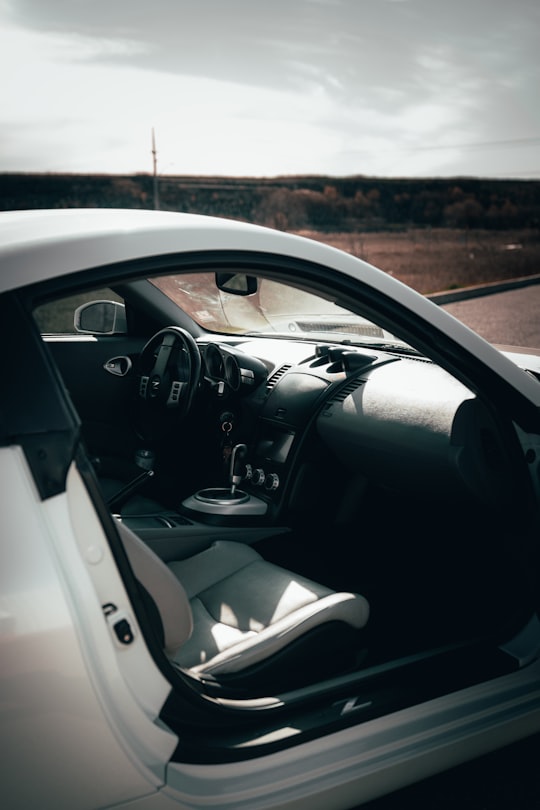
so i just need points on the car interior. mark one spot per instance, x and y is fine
(302, 510)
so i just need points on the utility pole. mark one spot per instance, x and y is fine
(154, 160)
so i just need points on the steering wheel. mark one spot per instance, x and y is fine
(169, 372)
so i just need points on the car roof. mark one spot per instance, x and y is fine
(37, 245)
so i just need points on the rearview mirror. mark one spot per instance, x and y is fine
(100, 317)
(236, 283)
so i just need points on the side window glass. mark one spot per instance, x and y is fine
(58, 317)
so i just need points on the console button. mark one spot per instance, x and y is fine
(259, 477)
(272, 481)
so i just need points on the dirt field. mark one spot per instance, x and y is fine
(444, 259)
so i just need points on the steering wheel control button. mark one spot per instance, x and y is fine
(143, 386)
(176, 390)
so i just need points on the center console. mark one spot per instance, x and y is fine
(228, 502)
(260, 477)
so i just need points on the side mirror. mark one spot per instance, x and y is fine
(236, 283)
(101, 318)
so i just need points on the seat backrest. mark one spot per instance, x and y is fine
(164, 588)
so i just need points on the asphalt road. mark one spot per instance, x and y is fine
(508, 779)
(510, 317)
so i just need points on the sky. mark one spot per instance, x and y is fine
(262, 88)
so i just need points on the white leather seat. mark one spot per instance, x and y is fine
(229, 613)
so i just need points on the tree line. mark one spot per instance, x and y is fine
(294, 203)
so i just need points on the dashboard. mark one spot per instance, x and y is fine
(309, 412)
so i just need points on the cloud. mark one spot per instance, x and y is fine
(332, 85)
(294, 43)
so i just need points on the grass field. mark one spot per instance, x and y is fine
(444, 259)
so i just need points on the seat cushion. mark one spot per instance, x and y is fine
(246, 609)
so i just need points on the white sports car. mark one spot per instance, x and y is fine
(269, 521)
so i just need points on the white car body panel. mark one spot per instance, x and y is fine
(85, 739)
(361, 763)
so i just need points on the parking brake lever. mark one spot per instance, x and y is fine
(119, 497)
(237, 454)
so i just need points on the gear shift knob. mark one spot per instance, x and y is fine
(238, 453)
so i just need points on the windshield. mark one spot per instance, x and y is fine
(273, 309)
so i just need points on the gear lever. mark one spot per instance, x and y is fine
(237, 454)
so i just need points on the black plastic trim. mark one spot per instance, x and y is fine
(319, 711)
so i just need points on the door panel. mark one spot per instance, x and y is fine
(106, 403)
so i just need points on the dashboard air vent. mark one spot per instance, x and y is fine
(277, 375)
(353, 328)
(343, 393)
